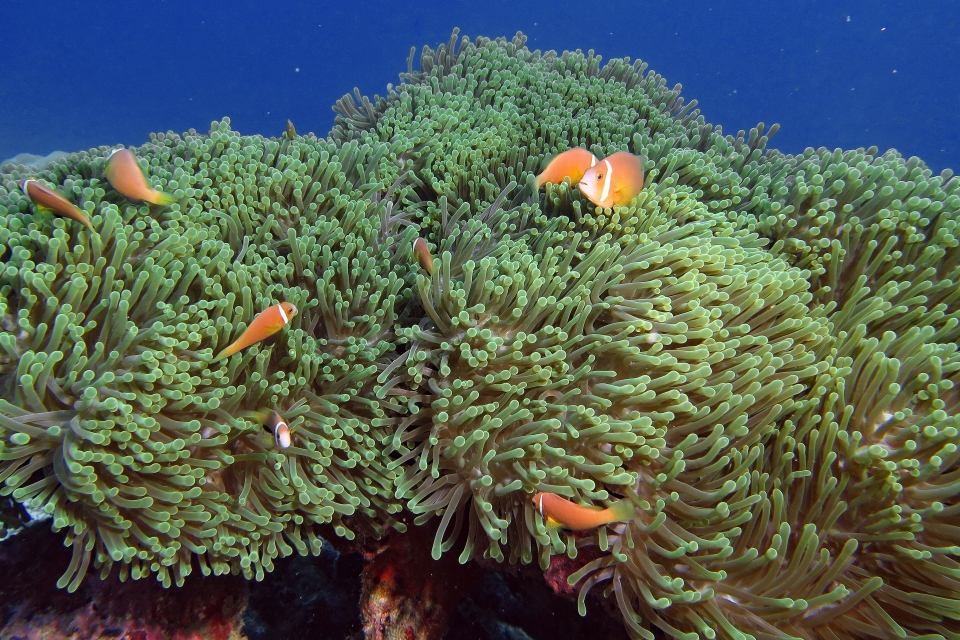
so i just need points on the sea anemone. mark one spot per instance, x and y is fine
(114, 418)
(758, 352)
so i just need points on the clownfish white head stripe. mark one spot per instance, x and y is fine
(281, 434)
(283, 314)
(608, 181)
(281, 431)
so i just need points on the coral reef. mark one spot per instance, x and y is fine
(759, 352)
(400, 600)
(513, 605)
(306, 597)
(12, 517)
(32, 607)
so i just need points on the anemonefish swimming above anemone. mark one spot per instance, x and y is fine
(267, 323)
(560, 513)
(614, 181)
(569, 164)
(125, 176)
(48, 199)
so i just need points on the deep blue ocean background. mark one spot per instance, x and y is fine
(834, 74)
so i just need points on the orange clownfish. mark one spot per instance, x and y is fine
(125, 176)
(559, 512)
(281, 432)
(422, 252)
(615, 180)
(46, 198)
(569, 164)
(263, 326)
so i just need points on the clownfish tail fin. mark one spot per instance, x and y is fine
(623, 510)
(163, 198)
(256, 415)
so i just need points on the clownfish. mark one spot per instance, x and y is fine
(48, 199)
(281, 432)
(267, 323)
(422, 252)
(569, 164)
(559, 512)
(616, 180)
(125, 176)
(291, 130)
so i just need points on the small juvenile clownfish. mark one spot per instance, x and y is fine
(267, 323)
(291, 130)
(125, 176)
(615, 181)
(559, 512)
(281, 432)
(48, 199)
(569, 164)
(422, 252)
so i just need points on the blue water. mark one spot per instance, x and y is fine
(835, 74)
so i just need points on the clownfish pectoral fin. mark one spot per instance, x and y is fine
(551, 524)
(270, 340)
(627, 177)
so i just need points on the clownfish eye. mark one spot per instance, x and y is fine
(599, 176)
